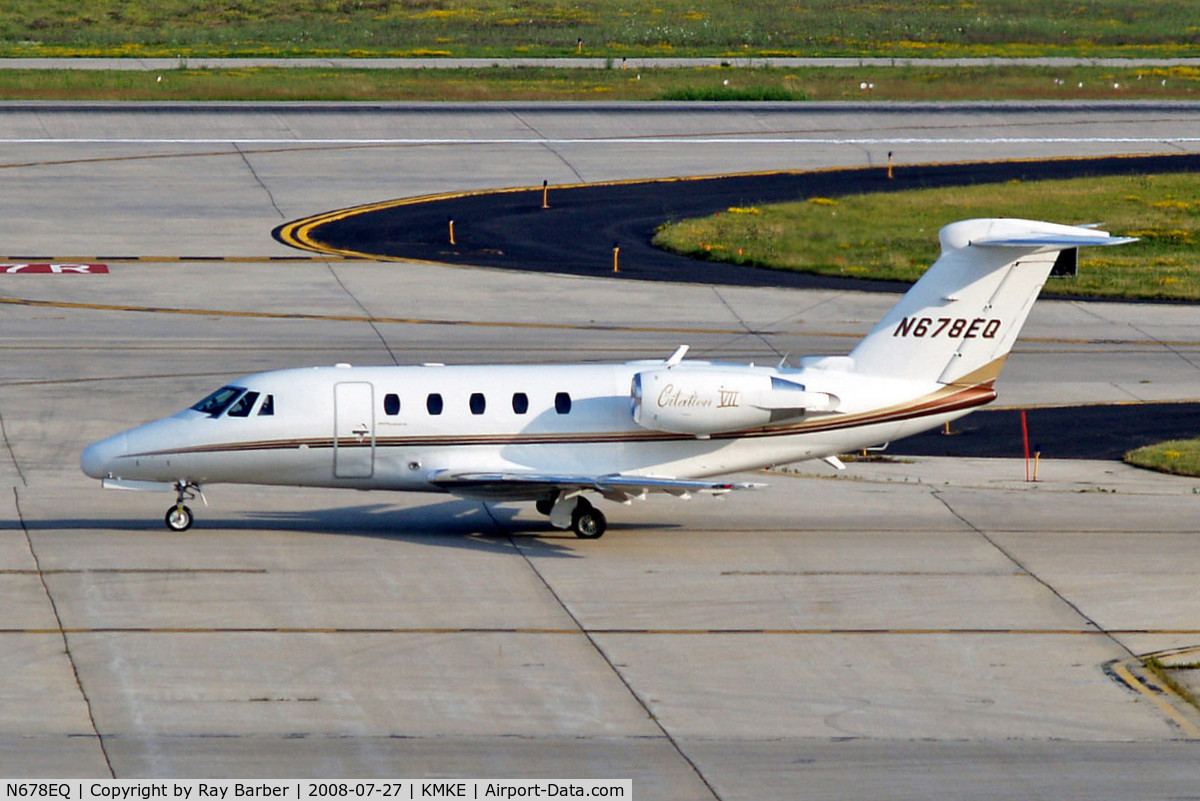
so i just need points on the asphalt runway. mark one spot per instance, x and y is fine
(924, 627)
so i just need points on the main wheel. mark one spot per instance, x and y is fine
(179, 518)
(587, 521)
(545, 505)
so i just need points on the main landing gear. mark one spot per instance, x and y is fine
(587, 521)
(577, 514)
(179, 516)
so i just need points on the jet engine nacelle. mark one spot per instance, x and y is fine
(701, 402)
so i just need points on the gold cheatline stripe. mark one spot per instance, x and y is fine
(947, 400)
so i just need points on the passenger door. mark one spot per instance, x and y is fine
(353, 429)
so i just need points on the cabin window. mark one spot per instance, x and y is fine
(434, 403)
(520, 402)
(219, 401)
(478, 403)
(244, 405)
(391, 404)
(562, 403)
(268, 407)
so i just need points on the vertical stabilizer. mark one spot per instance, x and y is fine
(960, 320)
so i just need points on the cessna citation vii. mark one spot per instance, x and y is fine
(553, 433)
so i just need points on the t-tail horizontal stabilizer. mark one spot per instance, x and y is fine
(957, 324)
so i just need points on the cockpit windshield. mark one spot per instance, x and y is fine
(219, 401)
(243, 406)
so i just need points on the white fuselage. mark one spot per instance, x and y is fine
(549, 433)
(394, 427)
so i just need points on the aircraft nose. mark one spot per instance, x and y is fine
(97, 458)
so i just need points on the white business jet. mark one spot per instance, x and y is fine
(554, 433)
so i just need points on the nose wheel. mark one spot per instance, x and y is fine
(179, 516)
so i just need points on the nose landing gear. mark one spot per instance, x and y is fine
(179, 516)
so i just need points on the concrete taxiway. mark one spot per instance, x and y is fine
(912, 629)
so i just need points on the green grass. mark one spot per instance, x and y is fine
(537, 83)
(725, 93)
(1180, 457)
(613, 28)
(893, 236)
(608, 29)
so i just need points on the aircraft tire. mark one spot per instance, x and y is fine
(588, 522)
(179, 518)
(545, 505)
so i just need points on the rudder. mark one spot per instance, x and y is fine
(957, 324)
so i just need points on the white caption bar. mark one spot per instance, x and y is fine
(308, 790)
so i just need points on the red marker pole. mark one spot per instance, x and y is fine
(1025, 438)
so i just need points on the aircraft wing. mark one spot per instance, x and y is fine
(615, 487)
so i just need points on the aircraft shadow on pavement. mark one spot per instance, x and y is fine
(443, 524)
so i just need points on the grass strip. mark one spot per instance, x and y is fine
(612, 28)
(1179, 457)
(616, 84)
(893, 236)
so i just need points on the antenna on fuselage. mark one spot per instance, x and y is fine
(677, 356)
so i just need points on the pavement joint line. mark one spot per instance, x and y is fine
(133, 571)
(1120, 668)
(61, 633)
(165, 156)
(836, 632)
(358, 318)
(617, 327)
(354, 299)
(363, 318)
(603, 655)
(12, 456)
(623, 141)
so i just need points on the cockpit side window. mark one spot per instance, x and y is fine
(268, 407)
(219, 401)
(243, 406)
